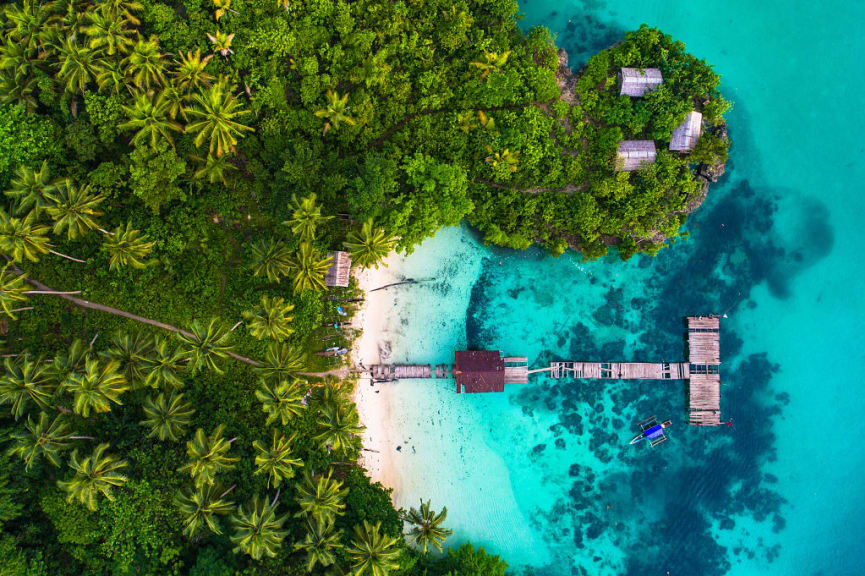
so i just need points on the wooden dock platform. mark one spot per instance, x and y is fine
(704, 384)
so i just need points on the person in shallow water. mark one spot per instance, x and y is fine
(652, 431)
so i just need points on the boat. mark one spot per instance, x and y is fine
(652, 431)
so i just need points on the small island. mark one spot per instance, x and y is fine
(188, 186)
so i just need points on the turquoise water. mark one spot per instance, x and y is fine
(542, 474)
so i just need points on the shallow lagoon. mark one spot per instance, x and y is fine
(542, 474)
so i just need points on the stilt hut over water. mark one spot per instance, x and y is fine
(633, 154)
(637, 81)
(479, 371)
(685, 135)
(339, 271)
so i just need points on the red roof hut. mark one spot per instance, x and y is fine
(480, 371)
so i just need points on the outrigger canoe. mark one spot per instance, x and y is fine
(652, 431)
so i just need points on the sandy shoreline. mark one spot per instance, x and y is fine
(373, 401)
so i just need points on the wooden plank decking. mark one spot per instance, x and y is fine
(704, 385)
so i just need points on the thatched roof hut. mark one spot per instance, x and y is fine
(479, 371)
(635, 153)
(340, 269)
(685, 135)
(637, 81)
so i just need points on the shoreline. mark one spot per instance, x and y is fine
(373, 400)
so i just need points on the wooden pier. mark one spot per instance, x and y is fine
(489, 371)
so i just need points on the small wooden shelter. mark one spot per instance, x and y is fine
(340, 269)
(479, 371)
(636, 82)
(633, 154)
(685, 135)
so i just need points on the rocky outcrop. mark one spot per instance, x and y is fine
(566, 79)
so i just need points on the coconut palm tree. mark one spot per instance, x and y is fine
(108, 33)
(45, 438)
(30, 188)
(426, 526)
(214, 119)
(111, 76)
(25, 381)
(26, 23)
(214, 169)
(23, 238)
(321, 543)
(371, 552)
(286, 4)
(206, 344)
(272, 319)
(281, 362)
(150, 117)
(305, 217)
(335, 111)
(222, 6)
(505, 157)
(221, 42)
(190, 71)
(282, 401)
(127, 247)
(145, 64)
(492, 62)
(270, 257)
(257, 529)
(340, 427)
(309, 268)
(131, 353)
(94, 475)
(17, 88)
(97, 387)
(13, 290)
(208, 456)
(370, 246)
(201, 506)
(124, 9)
(73, 209)
(164, 364)
(69, 362)
(487, 122)
(77, 65)
(276, 462)
(167, 417)
(321, 499)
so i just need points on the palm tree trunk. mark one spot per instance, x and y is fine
(67, 257)
(51, 292)
(82, 438)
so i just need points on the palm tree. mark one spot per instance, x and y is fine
(280, 402)
(23, 238)
(127, 247)
(13, 290)
(487, 122)
(370, 246)
(213, 169)
(271, 258)
(77, 65)
(25, 381)
(145, 64)
(221, 42)
(123, 9)
(272, 319)
(340, 427)
(149, 116)
(43, 439)
(276, 462)
(190, 71)
(16, 88)
(201, 506)
(335, 112)
(73, 209)
(320, 544)
(26, 23)
(215, 115)
(97, 387)
(222, 6)
(284, 4)
(111, 76)
(164, 364)
(309, 268)
(305, 217)
(69, 362)
(206, 344)
(108, 33)
(281, 362)
(257, 529)
(371, 552)
(505, 157)
(492, 62)
(30, 188)
(322, 499)
(426, 526)
(208, 456)
(167, 418)
(94, 475)
(131, 353)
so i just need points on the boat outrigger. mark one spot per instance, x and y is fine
(652, 431)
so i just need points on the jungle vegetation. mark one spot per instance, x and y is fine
(174, 177)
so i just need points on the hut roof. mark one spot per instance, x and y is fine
(480, 371)
(634, 153)
(340, 269)
(685, 135)
(637, 81)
